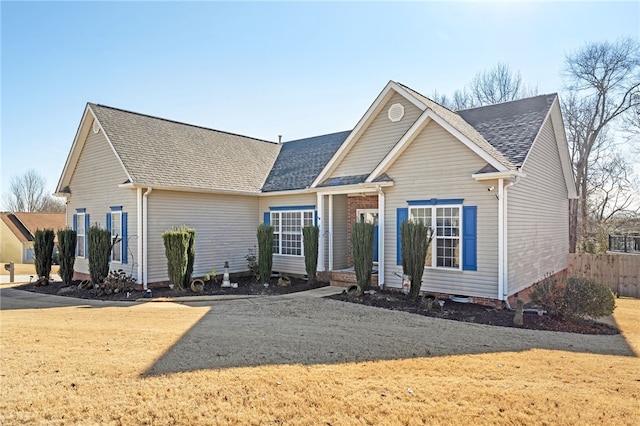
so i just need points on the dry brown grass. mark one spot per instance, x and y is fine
(87, 365)
(28, 269)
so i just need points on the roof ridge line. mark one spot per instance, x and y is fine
(508, 102)
(180, 122)
(426, 97)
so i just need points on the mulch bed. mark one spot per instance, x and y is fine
(246, 286)
(469, 312)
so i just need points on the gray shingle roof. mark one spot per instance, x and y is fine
(159, 152)
(300, 161)
(511, 127)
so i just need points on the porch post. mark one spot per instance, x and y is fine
(321, 239)
(380, 238)
(330, 235)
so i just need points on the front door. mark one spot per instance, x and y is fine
(370, 216)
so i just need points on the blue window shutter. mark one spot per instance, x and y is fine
(267, 218)
(469, 238)
(402, 214)
(315, 218)
(86, 232)
(75, 222)
(125, 255)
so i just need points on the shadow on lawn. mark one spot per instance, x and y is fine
(282, 330)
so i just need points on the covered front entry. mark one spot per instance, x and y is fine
(341, 210)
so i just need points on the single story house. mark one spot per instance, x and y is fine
(17, 233)
(493, 183)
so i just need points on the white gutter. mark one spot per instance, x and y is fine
(139, 230)
(145, 225)
(381, 207)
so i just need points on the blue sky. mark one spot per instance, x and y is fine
(263, 69)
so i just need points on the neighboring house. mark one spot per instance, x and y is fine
(493, 182)
(17, 232)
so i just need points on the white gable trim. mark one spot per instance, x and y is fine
(427, 116)
(362, 125)
(78, 143)
(563, 147)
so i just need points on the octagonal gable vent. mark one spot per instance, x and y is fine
(396, 112)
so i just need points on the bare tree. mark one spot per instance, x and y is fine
(27, 194)
(492, 86)
(603, 83)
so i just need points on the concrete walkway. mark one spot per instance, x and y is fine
(4, 279)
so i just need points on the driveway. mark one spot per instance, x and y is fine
(307, 329)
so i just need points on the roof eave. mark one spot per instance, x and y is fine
(218, 191)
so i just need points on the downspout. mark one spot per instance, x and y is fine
(381, 207)
(145, 226)
(505, 268)
(501, 240)
(139, 231)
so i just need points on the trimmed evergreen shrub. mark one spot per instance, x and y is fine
(416, 238)
(362, 248)
(265, 251)
(67, 239)
(573, 299)
(99, 252)
(191, 256)
(179, 248)
(310, 236)
(43, 253)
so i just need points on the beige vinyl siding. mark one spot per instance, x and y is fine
(377, 140)
(11, 249)
(94, 187)
(225, 229)
(537, 215)
(436, 165)
(285, 263)
(340, 232)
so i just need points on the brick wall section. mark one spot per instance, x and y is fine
(353, 205)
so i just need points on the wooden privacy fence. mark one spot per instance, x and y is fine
(621, 272)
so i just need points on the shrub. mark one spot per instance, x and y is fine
(416, 238)
(265, 251)
(67, 239)
(100, 246)
(572, 299)
(43, 253)
(586, 297)
(191, 256)
(179, 247)
(252, 262)
(310, 236)
(116, 282)
(362, 247)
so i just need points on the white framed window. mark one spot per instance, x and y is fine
(446, 225)
(80, 235)
(287, 230)
(116, 236)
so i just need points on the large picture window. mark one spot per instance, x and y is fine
(287, 231)
(445, 224)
